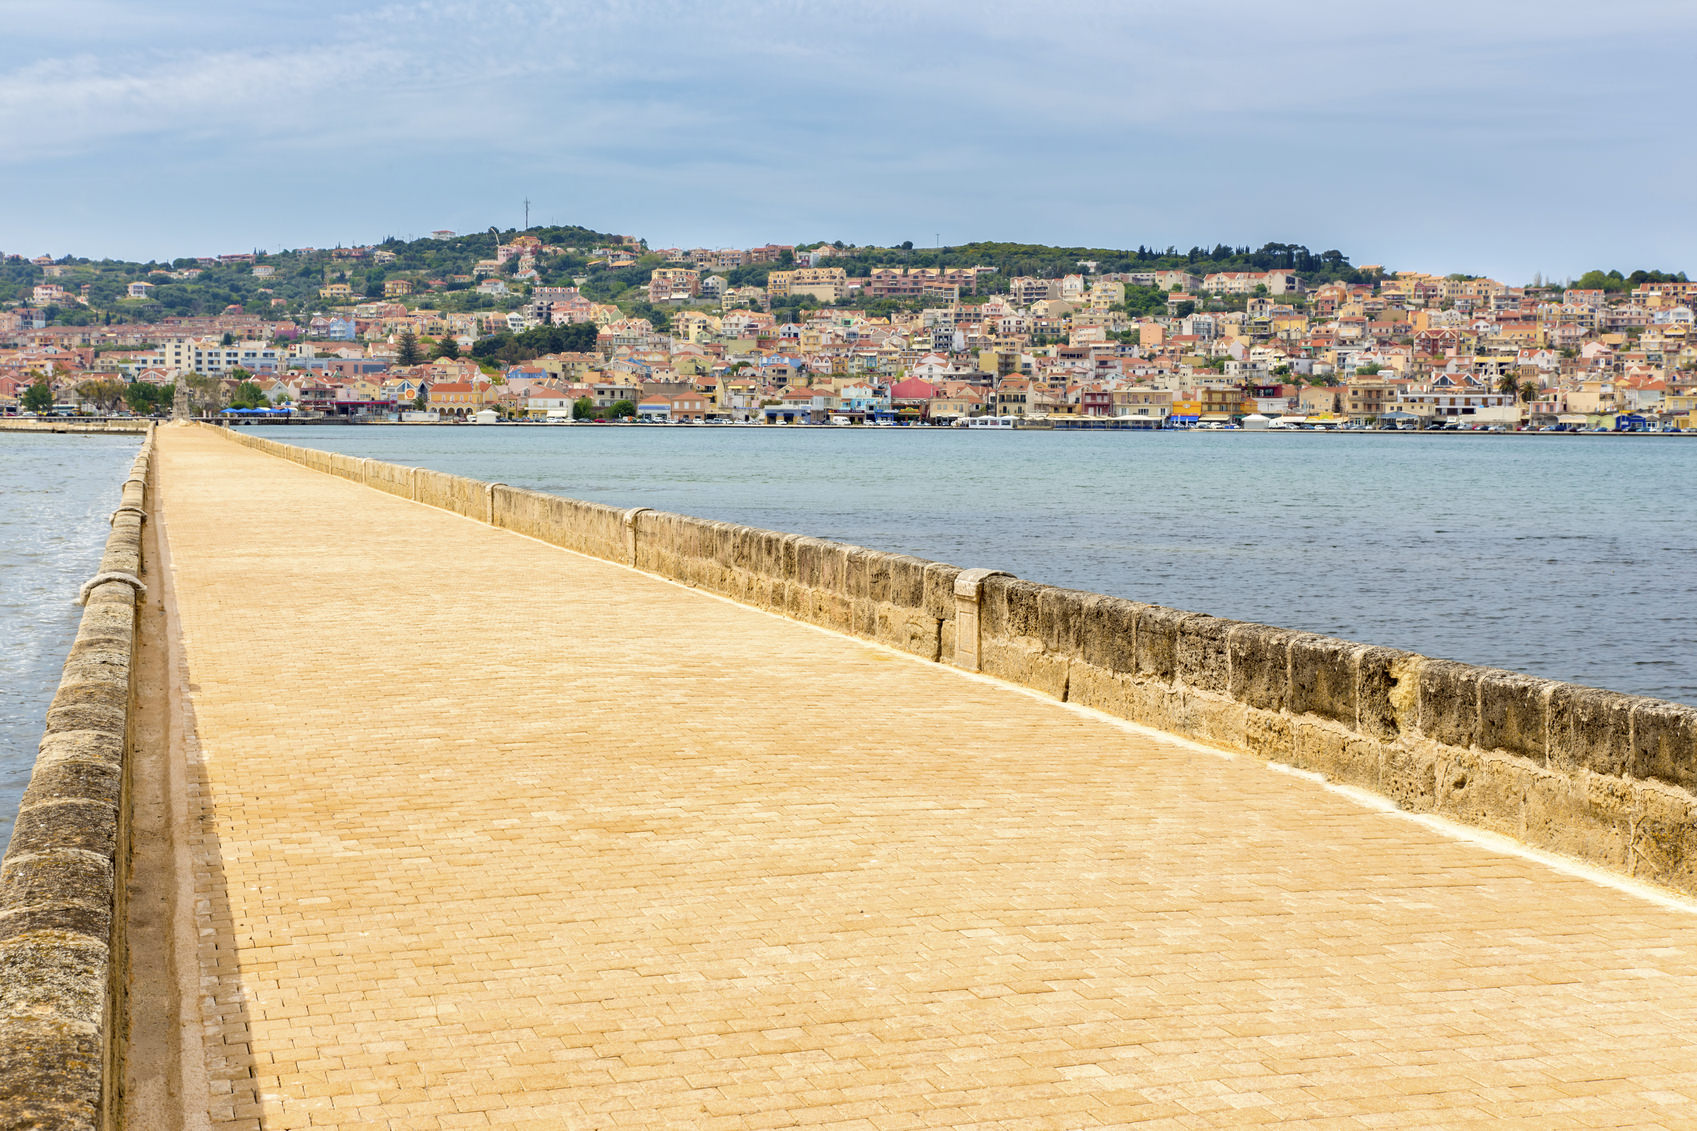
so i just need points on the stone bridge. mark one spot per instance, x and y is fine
(455, 805)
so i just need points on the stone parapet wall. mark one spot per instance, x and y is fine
(62, 958)
(1594, 774)
(1605, 777)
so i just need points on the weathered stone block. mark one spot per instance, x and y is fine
(1664, 840)
(1341, 756)
(1387, 692)
(730, 546)
(59, 978)
(57, 1091)
(1008, 607)
(908, 629)
(1155, 704)
(1581, 814)
(45, 823)
(65, 779)
(1322, 677)
(1113, 693)
(1449, 702)
(863, 618)
(788, 550)
(1408, 775)
(93, 686)
(778, 555)
(1061, 614)
(836, 611)
(857, 573)
(1201, 657)
(77, 882)
(1590, 729)
(1513, 714)
(1487, 790)
(1664, 742)
(939, 588)
(1270, 735)
(1217, 720)
(1156, 644)
(907, 581)
(1022, 660)
(87, 716)
(808, 568)
(833, 567)
(1107, 635)
(1259, 661)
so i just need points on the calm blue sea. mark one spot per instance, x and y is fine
(56, 496)
(1570, 557)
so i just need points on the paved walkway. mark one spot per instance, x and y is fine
(493, 835)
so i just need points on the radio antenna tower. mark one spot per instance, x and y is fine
(527, 213)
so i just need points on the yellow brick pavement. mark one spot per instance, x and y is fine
(489, 834)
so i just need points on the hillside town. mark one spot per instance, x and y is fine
(828, 334)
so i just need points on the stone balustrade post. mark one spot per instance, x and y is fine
(630, 533)
(969, 588)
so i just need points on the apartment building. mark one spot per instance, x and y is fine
(1025, 290)
(1245, 282)
(827, 284)
(211, 357)
(928, 282)
(674, 284)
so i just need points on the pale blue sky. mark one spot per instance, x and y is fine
(1493, 136)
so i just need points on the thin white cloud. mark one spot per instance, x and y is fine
(64, 106)
(1114, 121)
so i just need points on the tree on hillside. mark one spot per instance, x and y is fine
(583, 409)
(406, 349)
(448, 346)
(578, 337)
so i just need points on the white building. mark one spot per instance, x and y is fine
(211, 357)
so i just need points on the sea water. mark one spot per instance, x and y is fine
(1568, 557)
(57, 493)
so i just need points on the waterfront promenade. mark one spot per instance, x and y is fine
(488, 833)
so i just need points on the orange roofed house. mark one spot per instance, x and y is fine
(452, 398)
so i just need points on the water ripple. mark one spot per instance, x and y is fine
(56, 493)
(1567, 557)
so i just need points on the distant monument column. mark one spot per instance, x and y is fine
(180, 401)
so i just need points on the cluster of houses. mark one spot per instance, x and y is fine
(1400, 349)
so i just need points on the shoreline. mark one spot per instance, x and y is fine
(138, 427)
(913, 428)
(124, 426)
